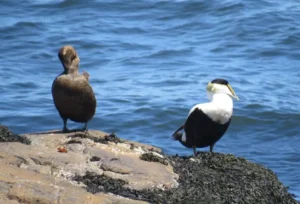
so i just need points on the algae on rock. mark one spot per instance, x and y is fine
(208, 178)
(7, 136)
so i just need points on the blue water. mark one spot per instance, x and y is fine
(149, 63)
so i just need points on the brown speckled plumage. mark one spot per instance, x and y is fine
(72, 94)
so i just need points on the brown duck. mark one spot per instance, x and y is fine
(72, 94)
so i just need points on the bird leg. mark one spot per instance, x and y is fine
(85, 127)
(211, 147)
(65, 129)
(195, 151)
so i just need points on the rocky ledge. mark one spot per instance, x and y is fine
(97, 167)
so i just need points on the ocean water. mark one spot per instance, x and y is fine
(150, 62)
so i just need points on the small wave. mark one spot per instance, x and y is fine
(16, 26)
(270, 53)
(293, 40)
(128, 30)
(259, 114)
(170, 53)
(27, 24)
(41, 55)
(23, 85)
(67, 3)
(46, 2)
(226, 8)
(135, 46)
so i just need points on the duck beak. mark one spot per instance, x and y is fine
(232, 92)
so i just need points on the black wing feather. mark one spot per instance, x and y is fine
(201, 130)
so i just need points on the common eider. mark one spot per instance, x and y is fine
(206, 123)
(72, 94)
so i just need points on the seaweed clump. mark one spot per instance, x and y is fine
(208, 178)
(94, 159)
(104, 140)
(100, 183)
(7, 136)
(150, 157)
(224, 178)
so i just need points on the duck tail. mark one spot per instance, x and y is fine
(177, 135)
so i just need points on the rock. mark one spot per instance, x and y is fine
(224, 178)
(7, 136)
(96, 167)
(48, 170)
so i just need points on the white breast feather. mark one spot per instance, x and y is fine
(219, 114)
